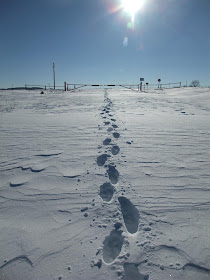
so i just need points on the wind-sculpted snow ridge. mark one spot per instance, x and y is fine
(130, 214)
(15, 185)
(32, 169)
(19, 258)
(49, 154)
(175, 256)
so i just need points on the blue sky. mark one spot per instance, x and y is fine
(91, 41)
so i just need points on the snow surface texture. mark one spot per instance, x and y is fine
(105, 184)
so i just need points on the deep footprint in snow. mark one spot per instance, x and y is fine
(115, 150)
(130, 214)
(102, 159)
(132, 273)
(106, 191)
(112, 246)
(116, 134)
(107, 141)
(113, 174)
(109, 129)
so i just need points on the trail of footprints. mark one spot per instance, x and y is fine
(113, 243)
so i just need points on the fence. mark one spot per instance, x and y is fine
(162, 86)
(72, 87)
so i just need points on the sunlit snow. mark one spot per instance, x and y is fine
(105, 184)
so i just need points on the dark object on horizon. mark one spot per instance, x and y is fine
(42, 92)
(22, 88)
(195, 83)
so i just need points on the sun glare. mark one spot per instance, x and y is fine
(132, 6)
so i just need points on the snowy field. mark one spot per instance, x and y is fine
(105, 185)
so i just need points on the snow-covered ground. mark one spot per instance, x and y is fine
(105, 184)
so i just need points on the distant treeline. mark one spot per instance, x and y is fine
(21, 88)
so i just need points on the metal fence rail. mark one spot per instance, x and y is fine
(75, 86)
(161, 86)
(72, 87)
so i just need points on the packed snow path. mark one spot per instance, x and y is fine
(105, 184)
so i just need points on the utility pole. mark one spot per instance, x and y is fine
(54, 74)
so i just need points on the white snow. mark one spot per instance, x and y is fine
(105, 184)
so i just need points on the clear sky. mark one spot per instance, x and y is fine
(94, 41)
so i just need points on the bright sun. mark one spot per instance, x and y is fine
(132, 6)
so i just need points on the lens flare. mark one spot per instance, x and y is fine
(125, 42)
(132, 6)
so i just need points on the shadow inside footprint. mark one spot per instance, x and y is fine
(130, 214)
(107, 141)
(115, 150)
(113, 174)
(115, 126)
(102, 159)
(112, 246)
(14, 185)
(106, 191)
(132, 273)
(116, 135)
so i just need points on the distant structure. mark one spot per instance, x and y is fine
(195, 83)
(136, 87)
(54, 74)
